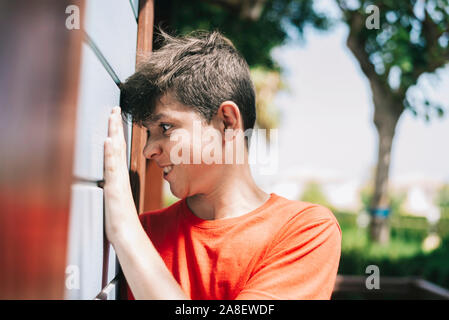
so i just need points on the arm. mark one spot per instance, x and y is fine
(144, 269)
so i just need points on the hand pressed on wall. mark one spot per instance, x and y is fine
(143, 267)
(119, 203)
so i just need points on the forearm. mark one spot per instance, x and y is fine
(143, 267)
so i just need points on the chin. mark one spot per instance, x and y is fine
(180, 194)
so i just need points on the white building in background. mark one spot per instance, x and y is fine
(419, 203)
(341, 192)
(421, 194)
(344, 194)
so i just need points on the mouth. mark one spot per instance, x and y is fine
(167, 170)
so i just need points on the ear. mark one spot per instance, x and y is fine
(229, 116)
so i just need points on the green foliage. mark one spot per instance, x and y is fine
(443, 224)
(267, 83)
(408, 228)
(442, 201)
(254, 39)
(412, 38)
(443, 197)
(200, 15)
(401, 257)
(357, 239)
(314, 194)
(168, 199)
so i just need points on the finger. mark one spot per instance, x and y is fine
(117, 109)
(120, 122)
(115, 125)
(109, 160)
(114, 155)
(112, 125)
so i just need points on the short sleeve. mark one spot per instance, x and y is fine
(302, 262)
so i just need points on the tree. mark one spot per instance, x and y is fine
(267, 83)
(412, 39)
(253, 34)
(254, 26)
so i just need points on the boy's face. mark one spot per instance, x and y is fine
(187, 178)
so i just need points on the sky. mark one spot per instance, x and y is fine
(326, 127)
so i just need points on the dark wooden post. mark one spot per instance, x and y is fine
(139, 174)
(153, 176)
(146, 177)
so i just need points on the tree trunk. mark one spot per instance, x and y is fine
(386, 116)
(379, 207)
(388, 107)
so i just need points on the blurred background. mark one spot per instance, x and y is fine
(357, 91)
(361, 121)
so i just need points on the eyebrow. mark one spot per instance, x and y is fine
(156, 117)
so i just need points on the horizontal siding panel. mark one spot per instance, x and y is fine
(85, 245)
(112, 26)
(98, 95)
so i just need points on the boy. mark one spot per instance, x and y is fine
(226, 238)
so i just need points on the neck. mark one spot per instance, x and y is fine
(236, 195)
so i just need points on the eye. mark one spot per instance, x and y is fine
(148, 133)
(165, 126)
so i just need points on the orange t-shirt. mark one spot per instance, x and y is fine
(284, 249)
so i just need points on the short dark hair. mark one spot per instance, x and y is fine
(201, 70)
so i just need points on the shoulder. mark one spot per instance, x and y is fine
(161, 215)
(302, 258)
(303, 219)
(294, 210)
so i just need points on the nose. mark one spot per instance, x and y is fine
(152, 149)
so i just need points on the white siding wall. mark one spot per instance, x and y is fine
(108, 57)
